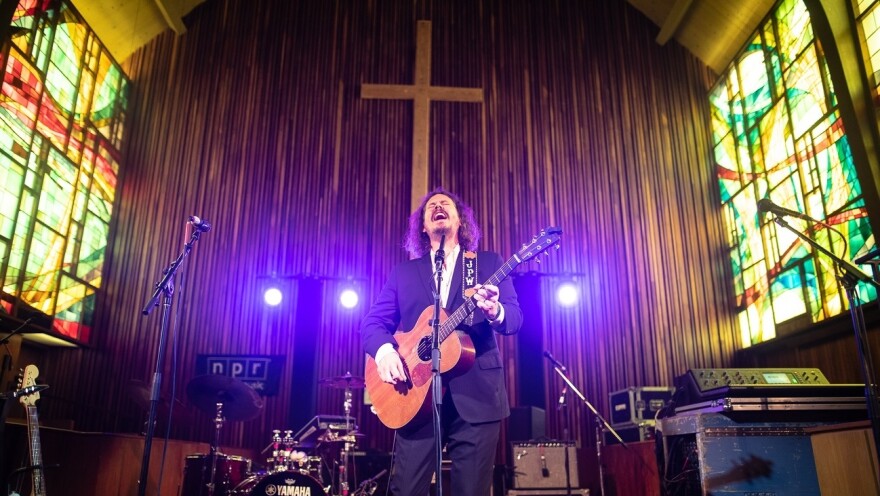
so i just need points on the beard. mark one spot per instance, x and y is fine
(440, 231)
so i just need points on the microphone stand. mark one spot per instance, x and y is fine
(565, 435)
(165, 288)
(849, 278)
(437, 384)
(600, 422)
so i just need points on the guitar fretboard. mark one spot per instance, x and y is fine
(39, 486)
(457, 317)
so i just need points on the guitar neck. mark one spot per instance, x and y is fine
(458, 316)
(39, 486)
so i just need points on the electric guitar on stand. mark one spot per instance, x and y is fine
(397, 405)
(29, 401)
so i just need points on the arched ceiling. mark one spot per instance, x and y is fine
(713, 30)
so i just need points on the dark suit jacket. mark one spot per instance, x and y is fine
(479, 394)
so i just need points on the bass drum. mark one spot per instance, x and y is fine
(279, 484)
(229, 472)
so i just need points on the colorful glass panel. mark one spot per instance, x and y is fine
(868, 21)
(778, 135)
(62, 110)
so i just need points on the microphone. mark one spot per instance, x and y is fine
(765, 205)
(200, 224)
(441, 254)
(554, 361)
(561, 402)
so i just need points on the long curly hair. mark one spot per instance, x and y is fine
(418, 244)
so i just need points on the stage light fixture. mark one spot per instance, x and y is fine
(567, 294)
(348, 298)
(273, 296)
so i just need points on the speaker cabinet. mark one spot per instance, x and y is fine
(542, 465)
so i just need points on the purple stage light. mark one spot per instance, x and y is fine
(567, 294)
(273, 296)
(348, 298)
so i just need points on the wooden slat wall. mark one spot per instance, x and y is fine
(252, 120)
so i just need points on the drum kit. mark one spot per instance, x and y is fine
(316, 461)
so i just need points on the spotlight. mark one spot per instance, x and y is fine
(273, 296)
(567, 294)
(348, 298)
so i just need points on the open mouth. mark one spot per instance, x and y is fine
(439, 215)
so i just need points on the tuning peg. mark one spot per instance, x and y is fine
(537, 260)
(558, 247)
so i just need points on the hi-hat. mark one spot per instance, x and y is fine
(240, 401)
(346, 381)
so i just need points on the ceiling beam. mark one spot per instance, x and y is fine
(672, 21)
(174, 22)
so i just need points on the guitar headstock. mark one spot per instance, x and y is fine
(29, 379)
(549, 236)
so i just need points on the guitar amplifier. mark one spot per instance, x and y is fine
(542, 465)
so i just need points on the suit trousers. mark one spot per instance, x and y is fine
(470, 447)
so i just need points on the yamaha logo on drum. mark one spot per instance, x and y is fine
(289, 489)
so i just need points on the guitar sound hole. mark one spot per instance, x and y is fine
(425, 349)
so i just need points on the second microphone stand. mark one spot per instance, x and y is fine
(600, 424)
(849, 278)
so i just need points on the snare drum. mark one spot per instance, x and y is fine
(279, 483)
(230, 471)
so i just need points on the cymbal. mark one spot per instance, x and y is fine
(240, 401)
(140, 393)
(346, 381)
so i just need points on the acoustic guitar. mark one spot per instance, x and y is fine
(399, 404)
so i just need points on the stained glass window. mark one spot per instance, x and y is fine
(778, 135)
(868, 20)
(62, 109)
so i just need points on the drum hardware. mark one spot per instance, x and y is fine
(228, 399)
(346, 382)
(229, 472)
(369, 486)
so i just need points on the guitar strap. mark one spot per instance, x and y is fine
(468, 279)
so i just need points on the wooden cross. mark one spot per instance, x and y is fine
(421, 93)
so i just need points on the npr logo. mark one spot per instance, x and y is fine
(244, 368)
(261, 372)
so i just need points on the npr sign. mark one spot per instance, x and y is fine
(261, 372)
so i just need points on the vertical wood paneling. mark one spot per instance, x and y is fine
(253, 121)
